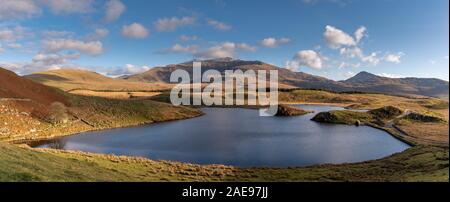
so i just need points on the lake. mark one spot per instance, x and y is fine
(240, 137)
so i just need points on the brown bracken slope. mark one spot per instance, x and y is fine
(29, 95)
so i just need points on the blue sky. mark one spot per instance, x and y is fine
(331, 38)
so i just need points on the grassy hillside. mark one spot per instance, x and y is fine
(27, 112)
(24, 164)
(286, 78)
(89, 113)
(70, 79)
(27, 95)
(366, 100)
(368, 82)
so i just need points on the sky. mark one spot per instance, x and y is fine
(331, 38)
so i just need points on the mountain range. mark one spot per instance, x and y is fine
(160, 76)
(363, 81)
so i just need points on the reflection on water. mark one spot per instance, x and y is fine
(242, 138)
(56, 144)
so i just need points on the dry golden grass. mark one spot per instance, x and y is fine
(25, 164)
(115, 95)
(426, 133)
(72, 79)
(87, 113)
(367, 101)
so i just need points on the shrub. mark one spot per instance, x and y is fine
(58, 113)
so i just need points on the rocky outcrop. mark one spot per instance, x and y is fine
(387, 112)
(285, 110)
(423, 117)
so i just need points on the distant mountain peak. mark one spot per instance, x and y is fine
(364, 77)
(364, 73)
(225, 59)
(363, 81)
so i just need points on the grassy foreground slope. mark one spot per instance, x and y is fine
(26, 164)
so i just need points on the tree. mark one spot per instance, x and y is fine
(58, 113)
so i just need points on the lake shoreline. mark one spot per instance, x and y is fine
(49, 138)
(55, 141)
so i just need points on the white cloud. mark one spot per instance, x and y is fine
(114, 9)
(273, 42)
(128, 69)
(292, 65)
(394, 58)
(14, 45)
(360, 33)
(135, 30)
(222, 50)
(246, 47)
(69, 6)
(11, 34)
(101, 32)
(336, 38)
(177, 48)
(309, 58)
(341, 3)
(6, 34)
(18, 9)
(171, 24)
(389, 75)
(349, 74)
(226, 49)
(219, 25)
(51, 59)
(309, 1)
(188, 38)
(352, 52)
(57, 34)
(91, 47)
(345, 64)
(21, 9)
(42, 62)
(372, 59)
(356, 52)
(98, 34)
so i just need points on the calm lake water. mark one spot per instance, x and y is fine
(240, 137)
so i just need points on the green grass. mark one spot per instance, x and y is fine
(111, 112)
(344, 117)
(96, 113)
(25, 164)
(314, 96)
(387, 112)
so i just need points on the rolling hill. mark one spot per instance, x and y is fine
(368, 82)
(287, 78)
(158, 78)
(71, 79)
(26, 94)
(363, 82)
